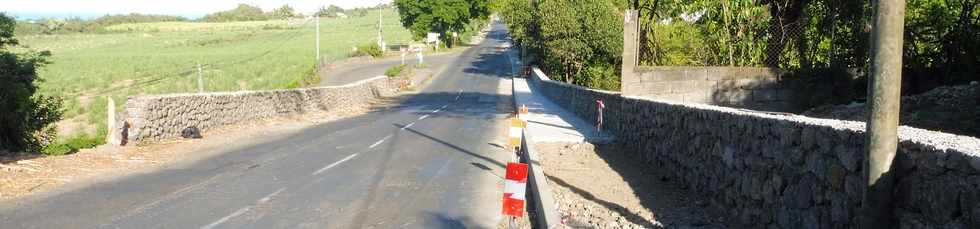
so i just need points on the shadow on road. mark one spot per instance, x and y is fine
(455, 147)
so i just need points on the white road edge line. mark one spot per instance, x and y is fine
(269, 197)
(241, 211)
(407, 126)
(334, 164)
(379, 142)
(423, 117)
(226, 218)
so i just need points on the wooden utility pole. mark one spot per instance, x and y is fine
(884, 94)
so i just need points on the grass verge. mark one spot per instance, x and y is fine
(72, 145)
(395, 70)
(159, 58)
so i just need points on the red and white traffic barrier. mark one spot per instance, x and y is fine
(515, 182)
(514, 190)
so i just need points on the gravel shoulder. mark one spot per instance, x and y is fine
(602, 187)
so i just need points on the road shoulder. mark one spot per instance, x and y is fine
(600, 186)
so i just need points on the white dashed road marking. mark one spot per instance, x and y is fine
(226, 218)
(269, 197)
(379, 142)
(408, 126)
(243, 210)
(334, 164)
(423, 117)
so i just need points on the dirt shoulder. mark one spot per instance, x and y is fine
(602, 187)
(27, 175)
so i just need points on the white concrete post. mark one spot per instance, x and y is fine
(200, 78)
(317, 18)
(111, 131)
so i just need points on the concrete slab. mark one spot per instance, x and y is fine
(550, 122)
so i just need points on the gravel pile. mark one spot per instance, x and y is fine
(951, 109)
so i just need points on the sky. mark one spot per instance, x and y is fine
(31, 9)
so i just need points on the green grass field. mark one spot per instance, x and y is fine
(157, 58)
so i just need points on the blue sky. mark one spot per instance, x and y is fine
(28, 9)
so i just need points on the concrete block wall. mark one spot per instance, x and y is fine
(786, 171)
(768, 89)
(159, 117)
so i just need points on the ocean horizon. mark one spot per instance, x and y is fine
(82, 15)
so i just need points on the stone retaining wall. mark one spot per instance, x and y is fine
(768, 89)
(773, 170)
(159, 117)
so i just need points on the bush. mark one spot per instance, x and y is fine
(72, 145)
(394, 71)
(368, 50)
(600, 76)
(25, 116)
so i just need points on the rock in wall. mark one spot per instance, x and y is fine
(159, 117)
(774, 170)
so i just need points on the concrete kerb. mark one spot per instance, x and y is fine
(546, 216)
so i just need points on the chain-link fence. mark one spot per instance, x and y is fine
(785, 34)
(941, 37)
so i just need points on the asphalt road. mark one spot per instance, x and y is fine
(354, 72)
(427, 160)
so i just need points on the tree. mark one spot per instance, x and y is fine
(25, 116)
(283, 12)
(580, 41)
(330, 11)
(358, 12)
(520, 17)
(243, 12)
(440, 16)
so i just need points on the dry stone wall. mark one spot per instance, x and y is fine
(159, 117)
(772, 170)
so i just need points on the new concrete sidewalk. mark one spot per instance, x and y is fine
(550, 122)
